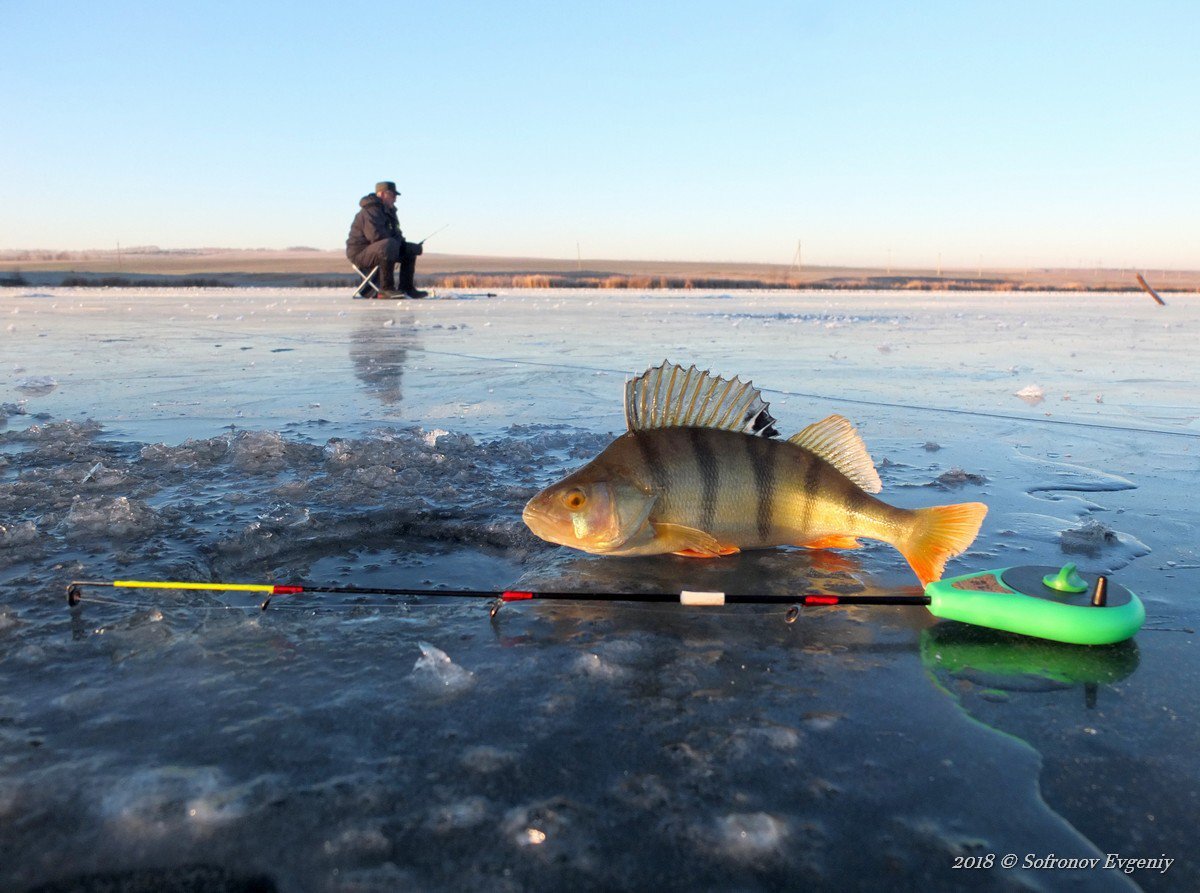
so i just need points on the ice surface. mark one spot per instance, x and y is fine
(354, 742)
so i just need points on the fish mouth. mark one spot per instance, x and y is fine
(553, 529)
(541, 523)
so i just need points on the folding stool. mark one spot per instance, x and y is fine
(367, 285)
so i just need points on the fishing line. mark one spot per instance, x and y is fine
(831, 399)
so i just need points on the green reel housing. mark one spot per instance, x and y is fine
(1053, 603)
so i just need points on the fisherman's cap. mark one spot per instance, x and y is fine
(386, 186)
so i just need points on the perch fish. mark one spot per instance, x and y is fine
(700, 473)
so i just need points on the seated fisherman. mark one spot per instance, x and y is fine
(376, 240)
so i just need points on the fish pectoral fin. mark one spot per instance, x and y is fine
(832, 542)
(690, 542)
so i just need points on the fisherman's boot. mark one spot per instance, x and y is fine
(408, 268)
(387, 281)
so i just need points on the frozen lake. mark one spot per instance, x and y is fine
(348, 743)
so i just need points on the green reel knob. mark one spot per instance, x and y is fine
(1066, 580)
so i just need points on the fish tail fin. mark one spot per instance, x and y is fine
(938, 534)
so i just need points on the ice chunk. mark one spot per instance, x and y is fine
(61, 434)
(191, 454)
(11, 409)
(258, 451)
(434, 671)
(431, 437)
(22, 533)
(957, 477)
(1089, 538)
(596, 667)
(111, 518)
(1032, 394)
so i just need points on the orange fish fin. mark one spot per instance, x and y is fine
(689, 541)
(693, 553)
(833, 542)
(940, 533)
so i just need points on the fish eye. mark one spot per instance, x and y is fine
(574, 499)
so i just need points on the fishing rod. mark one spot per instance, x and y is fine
(432, 234)
(1059, 604)
(503, 596)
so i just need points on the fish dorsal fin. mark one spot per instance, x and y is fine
(669, 396)
(835, 440)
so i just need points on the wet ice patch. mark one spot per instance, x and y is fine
(486, 759)
(8, 621)
(468, 813)
(1066, 476)
(359, 842)
(545, 827)
(436, 673)
(37, 385)
(750, 837)
(157, 802)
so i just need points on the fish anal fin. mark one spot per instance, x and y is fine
(689, 541)
(835, 541)
(692, 553)
(835, 440)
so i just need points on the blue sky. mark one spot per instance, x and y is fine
(1002, 133)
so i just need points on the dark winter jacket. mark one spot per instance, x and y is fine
(373, 223)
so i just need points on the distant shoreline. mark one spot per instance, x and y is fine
(313, 268)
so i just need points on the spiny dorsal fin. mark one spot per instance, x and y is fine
(669, 396)
(835, 440)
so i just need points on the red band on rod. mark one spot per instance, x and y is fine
(287, 590)
(513, 596)
(820, 600)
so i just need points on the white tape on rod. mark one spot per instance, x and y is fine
(709, 599)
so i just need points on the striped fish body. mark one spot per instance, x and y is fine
(746, 492)
(699, 473)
